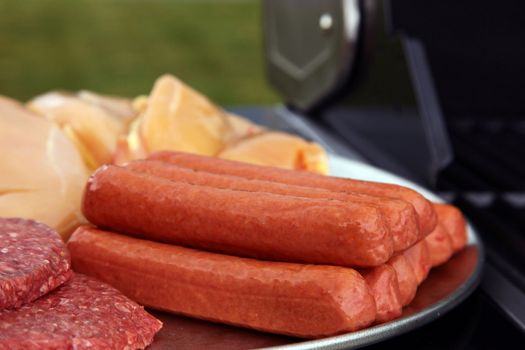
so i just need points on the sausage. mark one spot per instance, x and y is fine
(419, 258)
(424, 209)
(382, 280)
(383, 284)
(255, 224)
(454, 222)
(439, 245)
(308, 301)
(406, 278)
(399, 215)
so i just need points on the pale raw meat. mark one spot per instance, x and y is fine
(280, 150)
(92, 128)
(41, 172)
(178, 118)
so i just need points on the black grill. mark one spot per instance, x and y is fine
(489, 156)
(487, 181)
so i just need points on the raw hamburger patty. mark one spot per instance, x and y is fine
(33, 261)
(84, 313)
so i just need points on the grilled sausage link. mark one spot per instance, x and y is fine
(426, 214)
(383, 283)
(308, 301)
(406, 278)
(454, 222)
(255, 224)
(399, 215)
(439, 245)
(419, 258)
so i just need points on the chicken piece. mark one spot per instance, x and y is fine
(243, 128)
(140, 103)
(178, 118)
(118, 107)
(42, 175)
(92, 122)
(280, 150)
(131, 146)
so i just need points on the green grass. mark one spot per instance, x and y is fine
(121, 46)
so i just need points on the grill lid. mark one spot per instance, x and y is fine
(311, 47)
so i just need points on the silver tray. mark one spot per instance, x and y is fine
(446, 287)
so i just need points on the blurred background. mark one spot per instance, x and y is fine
(121, 46)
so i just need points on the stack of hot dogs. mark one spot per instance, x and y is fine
(277, 250)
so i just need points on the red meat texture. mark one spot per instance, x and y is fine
(33, 261)
(84, 313)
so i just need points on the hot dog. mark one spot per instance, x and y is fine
(454, 222)
(406, 278)
(414, 264)
(382, 280)
(307, 301)
(383, 284)
(419, 258)
(255, 224)
(424, 209)
(399, 215)
(439, 245)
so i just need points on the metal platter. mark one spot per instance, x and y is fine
(446, 286)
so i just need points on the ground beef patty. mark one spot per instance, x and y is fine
(33, 261)
(84, 313)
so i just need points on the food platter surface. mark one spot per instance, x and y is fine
(446, 287)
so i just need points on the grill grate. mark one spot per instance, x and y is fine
(481, 152)
(487, 181)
